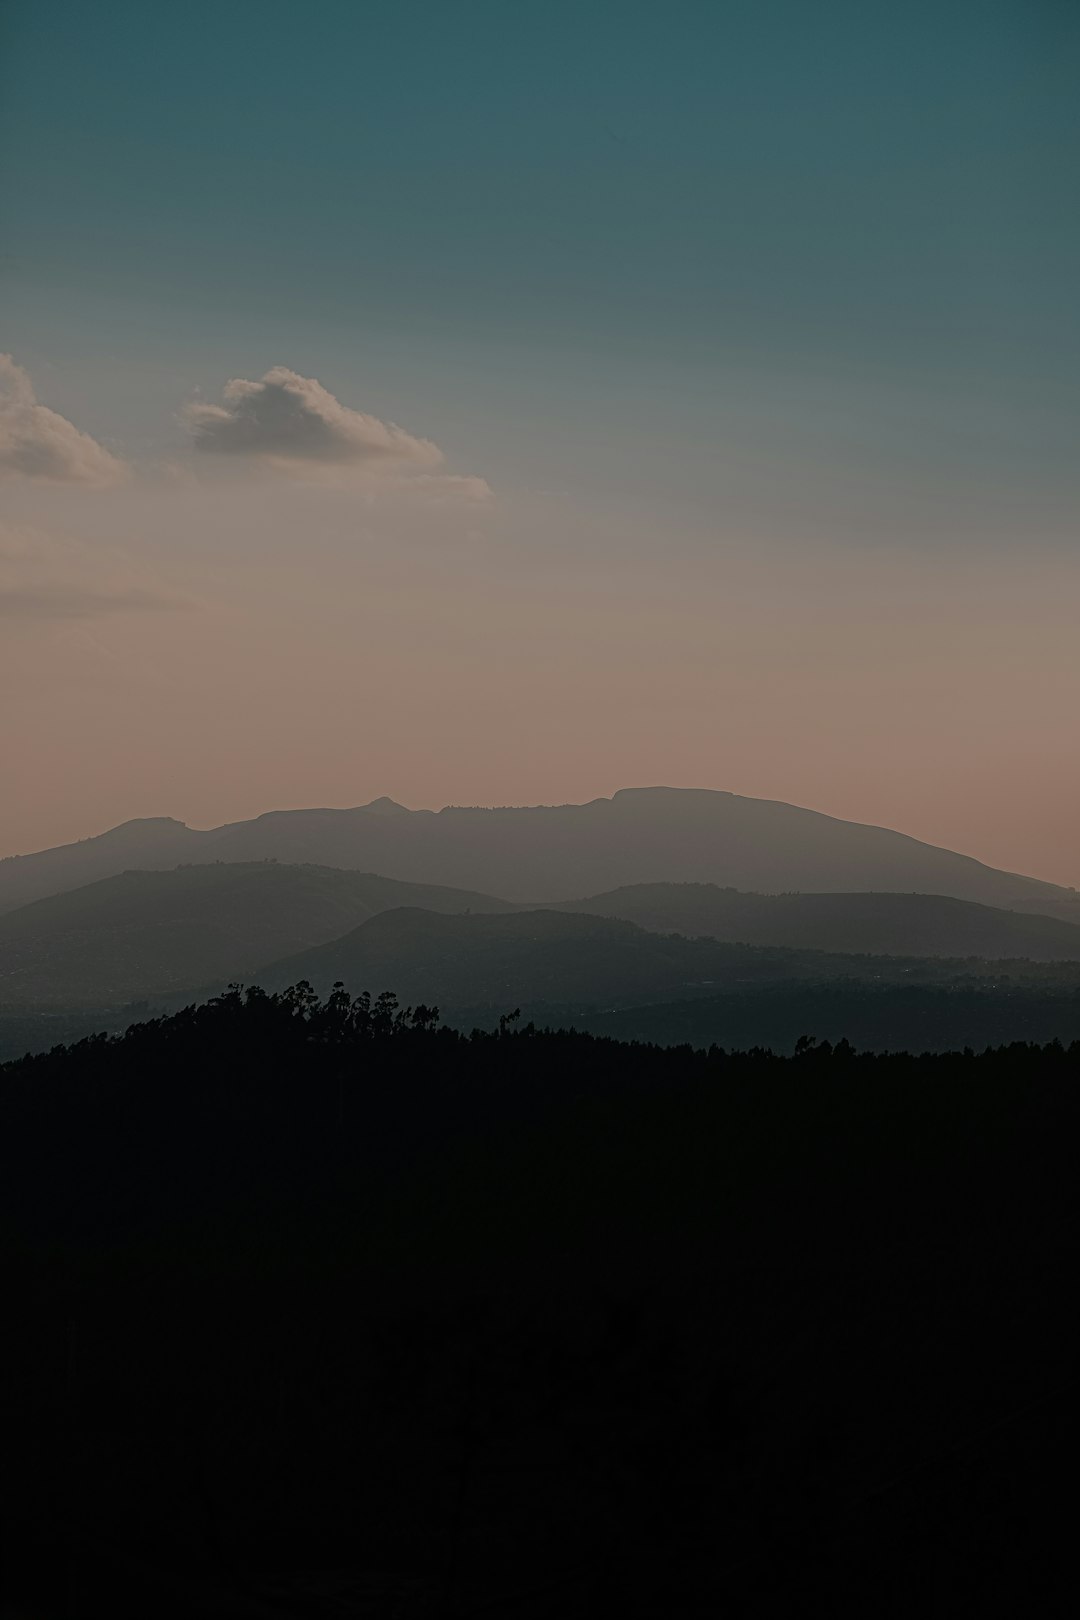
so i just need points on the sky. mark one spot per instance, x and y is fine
(492, 404)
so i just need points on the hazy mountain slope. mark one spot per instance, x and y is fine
(149, 933)
(551, 957)
(169, 938)
(153, 843)
(552, 853)
(890, 1018)
(462, 960)
(886, 924)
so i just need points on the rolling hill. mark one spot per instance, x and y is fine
(877, 1018)
(537, 959)
(877, 924)
(146, 934)
(143, 935)
(554, 853)
(503, 961)
(98, 957)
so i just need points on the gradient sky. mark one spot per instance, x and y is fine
(734, 349)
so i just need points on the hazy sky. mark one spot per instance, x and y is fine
(512, 402)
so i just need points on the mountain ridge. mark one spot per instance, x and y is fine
(505, 959)
(541, 854)
(869, 921)
(142, 934)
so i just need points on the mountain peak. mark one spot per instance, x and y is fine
(660, 791)
(385, 807)
(145, 823)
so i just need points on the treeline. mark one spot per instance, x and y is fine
(318, 1306)
(273, 1028)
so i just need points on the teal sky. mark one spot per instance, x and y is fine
(855, 196)
(707, 276)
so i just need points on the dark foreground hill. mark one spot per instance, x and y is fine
(553, 853)
(312, 1310)
(881, 924)
(143, 935)
(613, 977)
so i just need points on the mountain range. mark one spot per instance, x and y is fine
(145, 935)
(556, 853)
(872, 923)
(542, 959)
(671, 914)
(151, 934)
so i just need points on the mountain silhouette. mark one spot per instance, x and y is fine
(155, 934)
(553, 853)
(142, 942)
(145, 934)
(888, 924)
(551, 959)
(539, 956)
(154, 843)
(892, 1017)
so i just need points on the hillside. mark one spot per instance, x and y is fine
(85, 961)
(890, 1017)
(552, 853)
(160, 937)
(145, 934)
(500, 961)
(151, 934)
(153, 843)
(309, 1310)
(877, 924)
(544, 958)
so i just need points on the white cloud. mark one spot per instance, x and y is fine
(36, 442)
(288, 418)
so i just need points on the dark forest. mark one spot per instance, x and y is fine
(321, 1307)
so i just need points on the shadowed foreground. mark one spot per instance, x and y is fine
(321, 1309)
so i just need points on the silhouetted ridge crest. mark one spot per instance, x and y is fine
(552, 853)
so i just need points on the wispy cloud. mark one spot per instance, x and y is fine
(45, 576)
(55, 601)
(441, 487)
(36, 442)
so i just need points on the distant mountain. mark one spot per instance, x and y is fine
(874, 1018)
(151, 934)
(500, 961)
(148, 845)
(555, 959)
(553, 853)
(100, 955)
(878, 924)
(146, 934)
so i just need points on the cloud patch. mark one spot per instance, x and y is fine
(48, 577)
(36, 442)
(288, 418)
(454, 487)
